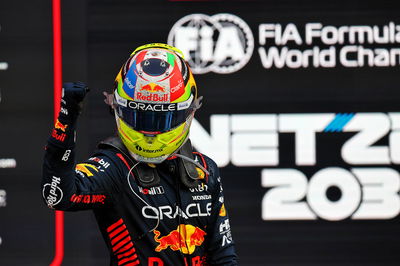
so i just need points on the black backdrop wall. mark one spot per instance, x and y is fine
(300, 111)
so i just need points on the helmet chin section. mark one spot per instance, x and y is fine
(155, 160)
(161, 146)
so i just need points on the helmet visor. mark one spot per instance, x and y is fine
(153, 117)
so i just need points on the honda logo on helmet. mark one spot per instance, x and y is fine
(222, 43)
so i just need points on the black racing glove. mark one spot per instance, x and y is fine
(73, 94)
(63, 133)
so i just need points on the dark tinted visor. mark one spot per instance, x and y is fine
(153, 117)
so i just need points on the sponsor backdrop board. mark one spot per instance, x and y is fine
(301, 112)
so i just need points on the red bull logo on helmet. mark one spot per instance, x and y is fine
(152, 87)
(185, 238)
(152, 97)
(152, 92)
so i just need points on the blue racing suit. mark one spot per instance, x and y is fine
(164, 224)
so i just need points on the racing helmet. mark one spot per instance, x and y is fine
(155, 98)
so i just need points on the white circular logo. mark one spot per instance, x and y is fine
(53, 192)
(222, 43)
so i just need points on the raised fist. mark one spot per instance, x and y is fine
(73, 94)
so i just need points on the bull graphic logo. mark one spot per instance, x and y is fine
(60, 126)
(152, 87)
(185, 238)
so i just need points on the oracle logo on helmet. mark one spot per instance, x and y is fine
(222, 43)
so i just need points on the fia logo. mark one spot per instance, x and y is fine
(222, 43)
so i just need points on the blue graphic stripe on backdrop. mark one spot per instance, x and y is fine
(340, 120)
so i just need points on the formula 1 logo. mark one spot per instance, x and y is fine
(222, 43)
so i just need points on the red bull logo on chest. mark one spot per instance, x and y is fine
(185, 238)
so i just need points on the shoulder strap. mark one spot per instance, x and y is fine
(187, 169)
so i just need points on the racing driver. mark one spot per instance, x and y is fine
(156, 201)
